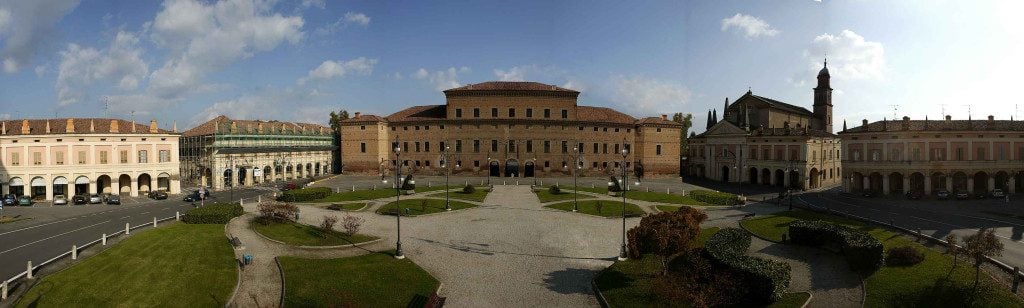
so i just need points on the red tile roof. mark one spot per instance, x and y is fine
(81, 126)
(223, 123)
(657, 121)
(509, 86)
(939, 125)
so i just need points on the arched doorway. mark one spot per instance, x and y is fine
(242, 173)
(959, 181)
(1002, 179)
(228, 173)
(208, 174)
(1018, 181)
(725, 174)
(60, 186)
(938, 181)
(780, 178)
(752, 177)
(309, 170)
(528, 169)
(289, 172)
(16, 186)
(82, 185)
(814, 178)
(124, 184)
(494, 170)
(511, 168)
(104, 184)
(856, 182)
(278, 175)
(980, 182)
(766, 177)
(896, 183)
(163, 182)
(316, 169)
(266, 174)
(38, 185)
(917, 182)
(144, 183)
(875, 182)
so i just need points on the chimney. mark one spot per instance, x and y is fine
(175, 127)
(113, 126)
(234, 127)
(3, 130)
(357, 115)
(949, 118)
(47, 126)
(864, 122)
(152, 126)
(25, 130)
(259, 127)
(70, 126)
(664, 117)
(991, 118)
(92, 126)
(133, 125)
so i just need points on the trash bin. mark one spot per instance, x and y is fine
(247, 259)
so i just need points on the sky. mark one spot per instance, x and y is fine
(187, 61)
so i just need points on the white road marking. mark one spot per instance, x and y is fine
(144, 213)
(126, 217)
(58, 235)
(37, 226)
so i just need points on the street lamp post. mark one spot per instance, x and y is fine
(398, 198)
(488, 169)
(447, 173)
(624, 187)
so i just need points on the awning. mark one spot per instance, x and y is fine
(60, 181)
(36, 182)
(82, 180)
(17, 182)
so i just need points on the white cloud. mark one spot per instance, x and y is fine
(575, 84)
(850, 56)
(206, 38)
(321, 4)
(264, 104)
(650, 96)
(330, 69)
(441, 80)
(25, 26)
(514, 74)
(356, 18)
(40, 70)
(5, 116)
(121, 63)
(750, 26)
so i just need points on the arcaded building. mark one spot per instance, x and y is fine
(762, 141)
(928, 156)
(77, 156)
(224, 153)
(515, 129)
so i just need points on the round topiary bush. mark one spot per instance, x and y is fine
(904, 256)
(469, 189)
(554, 190)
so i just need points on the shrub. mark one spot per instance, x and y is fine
(305, 194)
(350, 224)
(904, 256)
(763, 281)
(666, 233)
(693, 280)
(216, 213)
(615, 185)
(407, 183)
(328, 225)
(554, 190)
(714, 197)
(469, 189)
(270, 211)
(862, 251)
(598, 206)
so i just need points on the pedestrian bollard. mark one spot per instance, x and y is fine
(3, 290)
(28, 270)
(154, 222)
(177, 216)
(374, 187)
(648, 189)
(1016, 278)
(127, 228)
(104, 239)
(517, 182)
(541, 182)
(353, 188)
(259, 199)
(592, 185)
(668, 190)
(429, 184)
(74, 252)
(503, 183)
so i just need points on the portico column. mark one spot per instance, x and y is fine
(949, 184)
(1011, 183)
(991, 183)
(175, 185)
(248, 177)
(134, 191)
(234, 176)
(928, 185)
(867, 183)
(885, 185)
(93, 186)
(970, 185)
(906, 183)
(5, 190)
(49, 188)
(152, 183)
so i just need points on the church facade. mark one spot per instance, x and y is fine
(762, 141)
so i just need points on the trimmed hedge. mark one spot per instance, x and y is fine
(305, 194)
(714, 197)
(554, 190)
(615, 185)
(469, 189)
(216, 213)
(862, 251)
(765, 281)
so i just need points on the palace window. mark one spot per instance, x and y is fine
(458, 146)
(81, 157)
(494, 112)
(511, 146)
(595, 148)
(143, 157)
(547, 146)
(565, 114)
(547, 113)
(426, 146)
(856, 155)
(938, 154)
(440, 147)
(494, 145)
(981, 154)
(476, 146)
(565, 147)
(362, 147)
(417, 146)
(103, 157)
(15, 161)
(959, 153)
(604, 148)
(657, 150)
(529, 112)
(529, 146)
(894, 155)
(60, 158)
(767, 154)
(37, 158)
(405, 146)
(458, 113)
(917, 154)
(547, 164)
(511, 112)
(476, 163)
(616, 148)
(165, 156)
(124, 156)
(476, 112)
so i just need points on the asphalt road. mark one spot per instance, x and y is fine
(938, 218)
(54, 229)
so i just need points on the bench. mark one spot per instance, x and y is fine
(432, 301)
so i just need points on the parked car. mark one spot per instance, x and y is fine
(10, 199)
(24, 201)
(943, 195)
(962, 195)
(867, 194)
(194, 196)
(95, 199)
(60, 200)
(914, 195)
(158, 195)
(289, 186)
(113, 199)
(79, 199)
(998, 193)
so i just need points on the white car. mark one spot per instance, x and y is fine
(60, 200)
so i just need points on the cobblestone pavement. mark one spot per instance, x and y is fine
(822, 273)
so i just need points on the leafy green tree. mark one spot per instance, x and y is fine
(686, 120)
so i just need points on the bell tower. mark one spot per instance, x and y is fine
(823, 99)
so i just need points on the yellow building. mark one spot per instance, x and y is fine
(522, 129)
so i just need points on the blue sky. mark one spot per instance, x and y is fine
(189, 61)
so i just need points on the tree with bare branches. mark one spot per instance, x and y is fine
(666, 233)
(979, 246)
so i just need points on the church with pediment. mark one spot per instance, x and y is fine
(763, 141)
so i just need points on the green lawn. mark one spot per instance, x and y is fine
(9, 219)
(546, 196)
(417, 206)
(382, 192)
(373, 280)
(792, 300)
(180, 265)
(601, 190)
(660, 197)
(298, 234)
(478, 195)
(929, 283)
(608, 208)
